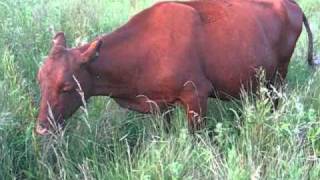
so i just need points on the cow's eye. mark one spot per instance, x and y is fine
(67, 87)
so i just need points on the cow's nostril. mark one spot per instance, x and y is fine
(42, 129)
(42, 124)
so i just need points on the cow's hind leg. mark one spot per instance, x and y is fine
(275, 84)
(194, 102)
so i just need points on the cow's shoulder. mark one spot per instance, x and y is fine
(163, 14)
(171, 5)
(173, 10)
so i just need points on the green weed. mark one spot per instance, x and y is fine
(243, 139)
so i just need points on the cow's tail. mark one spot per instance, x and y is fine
(310, 38)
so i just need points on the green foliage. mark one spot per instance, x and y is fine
(243, 138)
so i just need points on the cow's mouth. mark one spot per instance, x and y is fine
(49, 126)
(42, 129)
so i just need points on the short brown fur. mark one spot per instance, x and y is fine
(173, 52)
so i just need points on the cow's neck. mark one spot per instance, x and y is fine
(111, 71)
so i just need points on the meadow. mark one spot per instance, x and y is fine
(243, 139)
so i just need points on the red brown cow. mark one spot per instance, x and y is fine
(173, 52)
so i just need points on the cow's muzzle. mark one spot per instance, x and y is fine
(42, 128)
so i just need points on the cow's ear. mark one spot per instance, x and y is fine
(58, 43)
(59, 40)
(91, 52)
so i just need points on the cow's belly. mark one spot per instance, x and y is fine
(233, 65)
(145, 104)
(229, 80)
(230, 86)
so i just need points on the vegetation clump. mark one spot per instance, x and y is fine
(242, 140)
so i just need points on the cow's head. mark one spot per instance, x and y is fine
(58, 78)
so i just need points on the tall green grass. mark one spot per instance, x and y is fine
(243, 140)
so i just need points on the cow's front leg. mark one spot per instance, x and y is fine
(194, 102)
(196, 109)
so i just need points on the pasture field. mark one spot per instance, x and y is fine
(243, 139)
